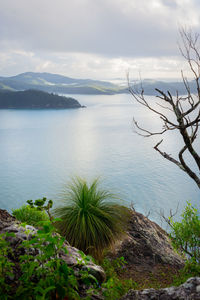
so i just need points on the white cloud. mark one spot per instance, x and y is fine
(92, 38)
(82, 65)
(108, 27)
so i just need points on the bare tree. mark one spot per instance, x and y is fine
(181, 113)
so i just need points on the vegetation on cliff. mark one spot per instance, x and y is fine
(30, 215)
(90, 218)
(35, 269)
(36, 263)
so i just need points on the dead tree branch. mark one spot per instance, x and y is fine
(183, 112)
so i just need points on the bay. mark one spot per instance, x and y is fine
(40, 150)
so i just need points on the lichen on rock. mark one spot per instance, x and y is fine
(147, 244)
(190, 290)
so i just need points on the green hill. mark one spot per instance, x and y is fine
(54, 83)
(35, 99)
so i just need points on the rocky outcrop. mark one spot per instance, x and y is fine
(6, 219)
(147, 244)
(73, 258)
(190, 290)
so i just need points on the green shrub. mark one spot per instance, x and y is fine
(40, 205)
(6, 267)
(191, 269)
(91, 219)
(30, 215)
(114, 287)
(44, 276)
(185, 234)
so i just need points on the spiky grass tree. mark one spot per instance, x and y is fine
(91, 218)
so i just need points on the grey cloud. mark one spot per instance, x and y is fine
(170, 3)
(93, 38)
(107, 27)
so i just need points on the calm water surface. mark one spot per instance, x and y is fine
(40, 150)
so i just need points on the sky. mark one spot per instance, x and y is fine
(98, 39)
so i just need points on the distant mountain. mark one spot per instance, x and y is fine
(35, 99)
(52, 79)
(150, 85)
(54, 83)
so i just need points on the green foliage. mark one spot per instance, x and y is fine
(5, 267)
(51, 275)
(114, 287)
(191, 269)
(35, 99)
(91, 220)
(40, 205)
(112, 266)
(44, 275)
(30, 215)
(185, 234)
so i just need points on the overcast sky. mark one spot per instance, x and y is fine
(99, 39)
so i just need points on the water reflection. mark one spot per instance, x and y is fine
(40, 150)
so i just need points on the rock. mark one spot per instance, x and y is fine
(5, 219)
(189, 290)
(73, 257)
(147, 244)
(96, 271)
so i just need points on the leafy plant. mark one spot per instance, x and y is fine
(112, 266)
(185, 234)
(114, 287)
(45, 275)
(40, 205)
(91, 219)
(6, 267)
(191, 269)
(30, 215)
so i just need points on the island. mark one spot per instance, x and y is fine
(35, 99)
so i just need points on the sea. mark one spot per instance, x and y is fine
(41, 150)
